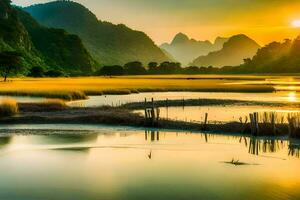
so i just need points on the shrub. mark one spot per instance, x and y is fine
(110, 71)
(54, 73)
(36, 72)
(8, 107)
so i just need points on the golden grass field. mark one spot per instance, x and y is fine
(77, 88)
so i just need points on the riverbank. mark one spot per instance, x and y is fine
(203, 102)
(39, 113)
(81, 87)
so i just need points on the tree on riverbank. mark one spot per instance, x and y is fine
(10, 63)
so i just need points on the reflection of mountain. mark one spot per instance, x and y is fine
(233, 53)
(185, 50)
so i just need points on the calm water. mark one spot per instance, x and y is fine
(107, 163)
(23, 99)
(122, 99)
(218, 113)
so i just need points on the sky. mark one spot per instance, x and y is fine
(263, 20)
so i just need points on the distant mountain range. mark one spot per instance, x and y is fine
(109, 44)
(233, 53)
(41, 46)
(185, 50)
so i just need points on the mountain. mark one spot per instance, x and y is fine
(276, 57)
(234, 51)
(41, 46)
(109, 44)
(14, 36)
(185, 50)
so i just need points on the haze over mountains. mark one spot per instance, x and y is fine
(276, 57)
(109, 44)
(185, 50)
(233, 53)
(72, 40)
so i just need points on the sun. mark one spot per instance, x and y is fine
(296, 23)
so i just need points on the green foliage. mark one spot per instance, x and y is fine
(152, 65)
(109, 44)
(166, 68)
(37, 72)
(10, 63)
(134, 68)
(54, 73)
(61, 50)
(41, 46)
(115, 70)
(275, 57)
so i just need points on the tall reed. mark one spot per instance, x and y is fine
(8, 107)
(294, 124)
(269, 122)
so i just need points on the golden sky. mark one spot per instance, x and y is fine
(263, 20)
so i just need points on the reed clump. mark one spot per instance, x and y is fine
(54, 104)
(66, 95)
(8, 108)
(294, 124)
(49, 105)
(269, 122)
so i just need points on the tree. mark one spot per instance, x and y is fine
(54, 73)
(152, 65)
(10, 63)
(134, 68)
(111, 70)
(37, 72)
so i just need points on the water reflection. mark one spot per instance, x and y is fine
(4, 141)
(294, 150)
(257, 146)
(152, 135)
(282, 96)
(151, 164)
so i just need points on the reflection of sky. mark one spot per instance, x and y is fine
(182, 164)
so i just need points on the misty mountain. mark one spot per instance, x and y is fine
(185, 50)
(276, 57)
(233, 53)
(40, 46)
(109, 44)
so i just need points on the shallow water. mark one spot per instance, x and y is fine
(23, 99)
(116, 100)
(218, 113)
(131, 164)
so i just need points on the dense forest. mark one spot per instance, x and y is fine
(109, 44)
(48, 48)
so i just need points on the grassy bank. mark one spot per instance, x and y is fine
(56, 112)
(201, 102)
(79, 88)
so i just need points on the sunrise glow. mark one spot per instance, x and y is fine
(296, 23)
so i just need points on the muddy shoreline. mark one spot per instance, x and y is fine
(38, 113)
